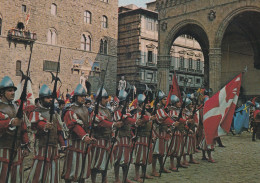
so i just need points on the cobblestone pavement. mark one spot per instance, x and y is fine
(238, 162)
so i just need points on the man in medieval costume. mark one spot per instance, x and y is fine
(176, 150)
(143, 128)
(102, 132)
(46, 167)
(165, 123)
(77, 120)
(8, 124)
(122, 148)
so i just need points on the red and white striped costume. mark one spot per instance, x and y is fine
(52, 167)
(164, 123)
(76, 149)
(143, 135)
(123, 145)
(178, 141)
(190, 145)
(6, 138)
(102, 130)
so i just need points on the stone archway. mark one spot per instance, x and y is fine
(239, 41)
(188, 27)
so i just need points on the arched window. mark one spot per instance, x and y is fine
(105, 47)
(18, 68)
(53, 9)
(86, 42)
(87, 17)
(101, 49)
(0, 25)
(104, 22)
(52, 36)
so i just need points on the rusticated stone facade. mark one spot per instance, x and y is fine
(61, 24)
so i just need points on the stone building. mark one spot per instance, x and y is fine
(227, 31)
(138, 49)
(84, 30)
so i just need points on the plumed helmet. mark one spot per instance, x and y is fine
(187, 101)
(80, 91)
(122, 95)
(7, 83)
(257, 105)
(103, 94)
(206, 97)
(174, 99)
(45, 91)
(141, 98)
(161, 95)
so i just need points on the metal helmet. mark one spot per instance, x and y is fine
(257, 105)
(122, 95)
(187, 101)
(141, 98)
(7, 83)
(206, 97)
(188, 95)
(161, 95)
(80, 91)
(45, 91)
(103, 94)
(174, 99)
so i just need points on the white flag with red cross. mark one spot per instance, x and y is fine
(219, 110)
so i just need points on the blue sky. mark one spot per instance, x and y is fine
(139, 3)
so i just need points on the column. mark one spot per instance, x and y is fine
(163, 65)
(215, 69)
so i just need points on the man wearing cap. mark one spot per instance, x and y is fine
(144, 125)
(164, 126)
(102, 132)
(123, 145)
(40, 120)
(8, 124)
(77, 120)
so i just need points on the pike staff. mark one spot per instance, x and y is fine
(19, 113)
(98, 98)
(52, 112)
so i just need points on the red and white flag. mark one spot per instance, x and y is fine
(29, 98)
(219, 110)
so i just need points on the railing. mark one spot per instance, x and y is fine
(147, 64)
(21, 35)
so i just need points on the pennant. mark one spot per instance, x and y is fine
(175, 90)
(27, 18)
(219, 110)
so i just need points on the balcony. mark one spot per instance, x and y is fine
(22, 36)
